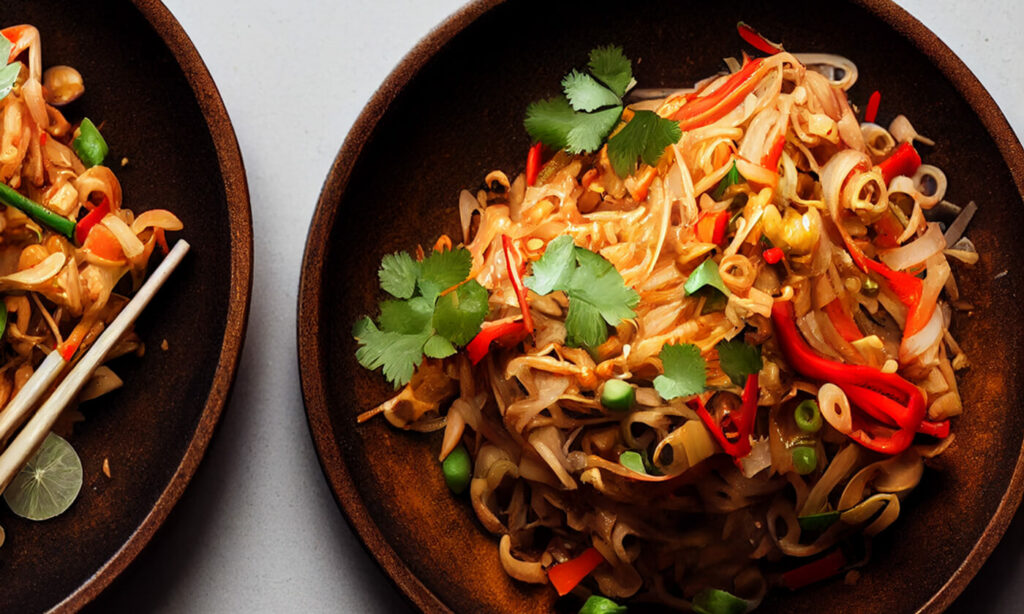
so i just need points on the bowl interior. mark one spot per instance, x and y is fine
(152, 431)
(396, 185)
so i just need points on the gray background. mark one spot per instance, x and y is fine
(258, 530)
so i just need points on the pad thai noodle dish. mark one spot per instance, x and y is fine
(69, 253)
(700, 348)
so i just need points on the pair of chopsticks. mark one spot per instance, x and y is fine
(32, 435)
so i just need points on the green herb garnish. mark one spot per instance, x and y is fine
(739, 360)
(598, 297)
(633, 461)
(591, 106)
(685, 371)
(9, 73)
(419, 321)
(705, 275)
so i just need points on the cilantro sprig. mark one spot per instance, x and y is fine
(580, 120)
(598, 297)
(685, 370)
(420, 321)
(9, 72)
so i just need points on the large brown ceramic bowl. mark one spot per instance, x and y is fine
(453, 110)
(160, 109)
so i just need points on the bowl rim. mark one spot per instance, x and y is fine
(310, 350)
(236, 191)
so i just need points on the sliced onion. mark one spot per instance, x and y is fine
(39, 274)
(131, 244)
(904, 132)
(835, 408)
(915, 252)
(877, 139)
(467, 207)
(925, 339)
(156, 218)
(99, 179)
(927, 170)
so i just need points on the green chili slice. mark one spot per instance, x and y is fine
(807, 416)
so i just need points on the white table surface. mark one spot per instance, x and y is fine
(258, 529)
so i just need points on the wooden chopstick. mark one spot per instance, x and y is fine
(35, 431)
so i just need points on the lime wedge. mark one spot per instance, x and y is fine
(48, 484)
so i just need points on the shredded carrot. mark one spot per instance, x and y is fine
(443, 243)
(103, 243)
(644, 180)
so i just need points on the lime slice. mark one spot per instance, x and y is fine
(48, 484)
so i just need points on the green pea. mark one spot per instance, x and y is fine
(805, 459)
(89, 144)
(457, 469)
(618, 395)
(808, 416)
(596, 604)
(716, 601)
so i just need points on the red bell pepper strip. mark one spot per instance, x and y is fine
(842, 321)
(889, 399)
(907, 288)
(771, 159)
(704, 110)
(533, 163)
(711, 227)
(565, 576)
(872, 110)
(773, 255)
(815, 571)
(517, 282)
(85, 224)
(504, 333)
(743, 421)
(755, 40)
(903, 161)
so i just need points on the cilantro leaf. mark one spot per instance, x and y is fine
(398, 274)
(584, 325)
(613, 68)
(598, 297)
(406, 317)
(549, 121)
(442, 270)
(555, 267)
(590, 129)
(459, 314)
(705, 275)
(597, 282)
(685, 371)
(397, 353)
(739, 360)
(420, 322)
(438, 347)
(586, 94)
(645, 136)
